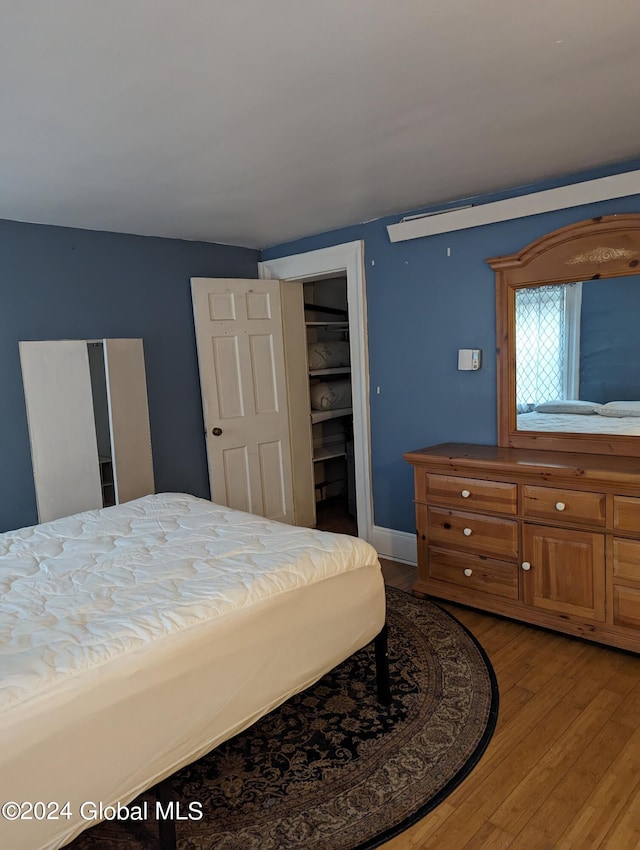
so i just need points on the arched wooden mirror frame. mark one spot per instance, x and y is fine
(603, 247)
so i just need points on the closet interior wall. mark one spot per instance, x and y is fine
(330, 397)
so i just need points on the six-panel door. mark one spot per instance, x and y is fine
(244, 396)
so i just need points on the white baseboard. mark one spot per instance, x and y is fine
(397, 545)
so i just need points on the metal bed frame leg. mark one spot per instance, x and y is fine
(166, 826)
(382, 667)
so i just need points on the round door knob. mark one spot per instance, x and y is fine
(468, 572)
(467, 532)
(216, 432)
(560, 506)
(526, 565)
(465, 494)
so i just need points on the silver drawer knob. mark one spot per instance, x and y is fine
(465, 494)
(560, 506)
(467, 532)
(468, 572)
(526, 565)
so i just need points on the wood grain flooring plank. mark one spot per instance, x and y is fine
(549, 685)
(613, 796)
(570, 794)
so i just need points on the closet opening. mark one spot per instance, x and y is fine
(337, 263)
(326, 311)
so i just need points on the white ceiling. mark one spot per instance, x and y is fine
(253, 122)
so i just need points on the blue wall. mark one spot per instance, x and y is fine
(61, 283)
(422, 307)
(610, 340)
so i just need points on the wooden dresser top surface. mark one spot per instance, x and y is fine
(504, 460)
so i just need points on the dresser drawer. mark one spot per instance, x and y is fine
(566, 505)
(626, 606)
(472, 493)
(472, 533)
(478, 574)
(626, 513)
(626, 559)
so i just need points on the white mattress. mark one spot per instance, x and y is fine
(135, 638)
(576, 423)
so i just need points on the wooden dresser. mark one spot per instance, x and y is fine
(549, 538)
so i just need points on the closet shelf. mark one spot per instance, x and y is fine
(327, 453)
(336, 370)
(334, 311)
(336, 326)
(323, 415)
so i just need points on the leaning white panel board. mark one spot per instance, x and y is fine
(62, 429)
(128, 418)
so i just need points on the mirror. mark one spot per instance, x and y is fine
(568, 345)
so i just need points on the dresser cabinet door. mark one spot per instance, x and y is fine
(563, 571)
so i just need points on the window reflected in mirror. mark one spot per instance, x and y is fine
(547, 344)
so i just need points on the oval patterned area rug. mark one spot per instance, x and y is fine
(332, 769)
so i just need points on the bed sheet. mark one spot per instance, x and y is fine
(576, 423)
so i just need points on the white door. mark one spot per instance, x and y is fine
(244, 397)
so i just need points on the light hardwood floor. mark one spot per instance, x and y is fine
(562, 771)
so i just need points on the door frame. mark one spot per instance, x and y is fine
(348, 259)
